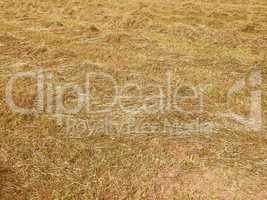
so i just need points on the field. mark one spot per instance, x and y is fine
(155, 141)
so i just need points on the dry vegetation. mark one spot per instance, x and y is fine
(204, 42)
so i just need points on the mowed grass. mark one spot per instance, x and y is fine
(211, 43)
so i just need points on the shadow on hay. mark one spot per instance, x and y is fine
(9, 183)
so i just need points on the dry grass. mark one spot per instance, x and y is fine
(204, 42)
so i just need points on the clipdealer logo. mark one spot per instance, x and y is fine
(254, 120)
(168, 98)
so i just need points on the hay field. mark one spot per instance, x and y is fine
(143, 46)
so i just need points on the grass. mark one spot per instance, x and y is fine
(134, 42)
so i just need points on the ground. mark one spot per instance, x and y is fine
(206, 44)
